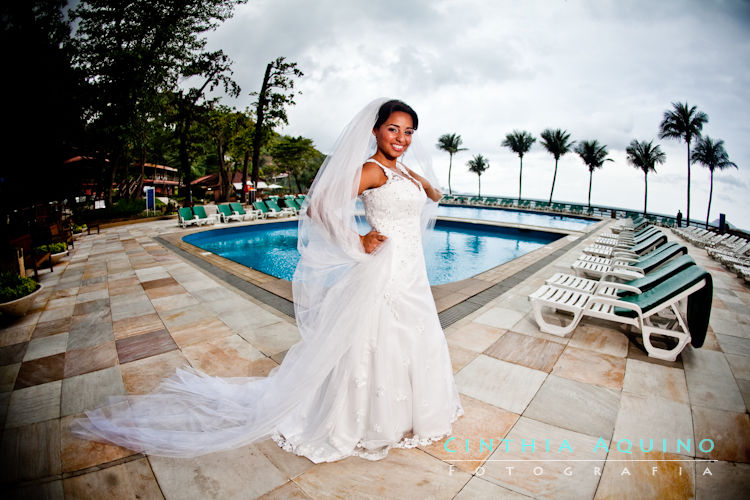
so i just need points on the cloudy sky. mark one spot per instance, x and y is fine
(600, 69)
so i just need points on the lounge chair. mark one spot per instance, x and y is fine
(213, 211)
(200, 212)
(273, 205)
(645, 246)
(260, 205)
(290, 202)
(637, 285)
(238, 209)
(186, 217)
(654, 312)
(228, 214)
(627, 268)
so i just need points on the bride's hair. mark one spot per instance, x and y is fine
(392, 106)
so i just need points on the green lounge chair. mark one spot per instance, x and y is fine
(653, 312)
(228, 214)
(238, 209)
(273, 205)
(186, 217)
(626, 268)
(292, 203)
(200, 212)
(260, 205)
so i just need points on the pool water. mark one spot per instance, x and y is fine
(453, 250)
(515, 217)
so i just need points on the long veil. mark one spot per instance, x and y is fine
(192, 413)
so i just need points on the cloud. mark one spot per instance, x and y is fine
(601, 69)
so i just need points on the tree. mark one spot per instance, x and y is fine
(130, 52)
(276, 91)
(478, 165)
(593, 155)
(712, 155)
(685, 123)
(41, 105)
(223, 125)
(241, 146)
(450, 143)
(645, 156)
(519, 142)
(293, 155)
(557, 142)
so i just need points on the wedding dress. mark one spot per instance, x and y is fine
(394, 388)
(371, 371)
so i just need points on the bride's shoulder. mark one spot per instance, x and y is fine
(372, 176)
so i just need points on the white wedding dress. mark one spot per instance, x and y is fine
(372, 370)
(394, 388)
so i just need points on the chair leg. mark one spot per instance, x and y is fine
(683, 337)
(547, 327)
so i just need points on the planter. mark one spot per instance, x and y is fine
(57, 257)
(19, 307)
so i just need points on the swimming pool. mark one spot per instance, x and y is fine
(453, 250)
(515, 217)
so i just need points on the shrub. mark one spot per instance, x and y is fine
(52, 248)
(14, 286)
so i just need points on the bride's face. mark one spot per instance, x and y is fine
(394, 135)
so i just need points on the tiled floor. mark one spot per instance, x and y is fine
(589, 416)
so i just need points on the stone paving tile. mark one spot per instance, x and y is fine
(591, 368)
(230, 356)
(41, 371)
(144, 375)
(524, 350)
(80, 361)
(77, 454)
(15, 335)
(30, 452)
(93, 295)
(159, 283)
(480, 488)
(47, 490)
(734, 345)
(46, 346)
(217, 475)
(90, 330)
(651, 417)
(579, 407)
(133, 479)
(727, 480)
(710, 381)
(130, 305)
(595, 337)
(650, 379)
(554, 481)
(90, 390)
(460, 357)
(475, 336)
(729, 431)
(481, 421)
(402, 474)
(8, 374)
(246, 318)
(171, 302)
(287, 491)
(47, 328)
(671, 479)
(137, 325)
(144, 345)
(272, 339)
(34, 404)
(500, 317)
(93, 306)
(504, 385)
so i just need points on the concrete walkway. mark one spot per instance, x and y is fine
(122, 312)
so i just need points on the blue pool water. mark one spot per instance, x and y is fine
(515, 217)
(453, 250)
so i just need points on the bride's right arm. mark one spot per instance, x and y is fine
(372, 177)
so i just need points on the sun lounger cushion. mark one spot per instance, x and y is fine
(655, 240)
(699, 302)
(657, 276)
(659, 256)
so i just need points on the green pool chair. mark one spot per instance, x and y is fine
(238, 209)
(186, 217)
(227, 214)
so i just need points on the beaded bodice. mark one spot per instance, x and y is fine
(394, 209)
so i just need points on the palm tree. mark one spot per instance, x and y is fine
(451, 143)
(519, 143)
(645, 155)
(557, 142)
(712, 155)
(478, 165)
(683, 122)
(593, 155)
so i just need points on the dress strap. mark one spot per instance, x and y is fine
(388, 172)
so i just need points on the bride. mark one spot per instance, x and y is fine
(372, 370)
